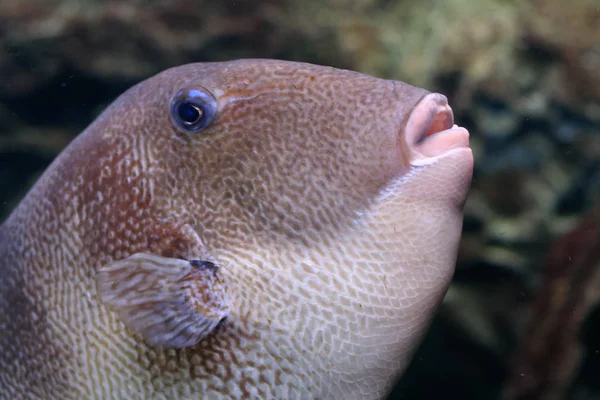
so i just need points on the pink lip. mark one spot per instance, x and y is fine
(430, 130)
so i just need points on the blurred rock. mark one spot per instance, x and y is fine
(572, 33)
(587, 144)
(505, 191)
(499, 120)
(512, 232)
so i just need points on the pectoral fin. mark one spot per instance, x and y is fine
(170, 302)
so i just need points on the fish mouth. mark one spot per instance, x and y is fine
(431, 132)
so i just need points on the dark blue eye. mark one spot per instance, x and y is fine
(189, 113)
(192, 110)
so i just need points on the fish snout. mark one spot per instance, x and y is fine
(431, 132)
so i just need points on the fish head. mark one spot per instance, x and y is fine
(331, 200)
(293, 147)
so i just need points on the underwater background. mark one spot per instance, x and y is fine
(522, 317)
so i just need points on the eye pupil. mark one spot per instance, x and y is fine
(189, 113)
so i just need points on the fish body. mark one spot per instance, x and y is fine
(245, 229)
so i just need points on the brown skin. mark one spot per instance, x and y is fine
(335, 247)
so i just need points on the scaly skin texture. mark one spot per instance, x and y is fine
(336, 249)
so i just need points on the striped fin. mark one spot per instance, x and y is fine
(168, 301)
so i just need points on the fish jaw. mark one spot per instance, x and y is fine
(418, 223)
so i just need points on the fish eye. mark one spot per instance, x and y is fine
(193, 110)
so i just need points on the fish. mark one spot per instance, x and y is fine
(242, 229)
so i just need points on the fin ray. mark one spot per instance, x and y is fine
(170, 302)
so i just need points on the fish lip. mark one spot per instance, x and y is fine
(431, 132)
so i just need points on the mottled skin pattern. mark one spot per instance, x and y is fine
(335, 248)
